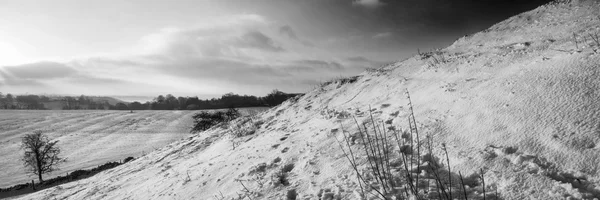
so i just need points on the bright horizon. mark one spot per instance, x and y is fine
(209, 48)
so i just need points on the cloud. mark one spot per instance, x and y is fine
(33, 75)
(38, 70)
(258, 40)
(98, 76)
(219, 38)
(244, 73)
(319, 64)
(217, 68)
(236, 37)
(307, 43)
(368, 3)
(382, 35)
(92, 80)
(44, 77)
(113, 61)
(360, 61)
(288, 31)
(8, 80)
(243, 54)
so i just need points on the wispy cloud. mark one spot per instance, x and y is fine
(358, 59)
(368, 3)
(382, 35)
(220, 37)
(9, 80)
(33, 75)
(320, 64)
(38, 70)
(258, 40)
(363, 62)
(288, 31)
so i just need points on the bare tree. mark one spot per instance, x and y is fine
(41, 155)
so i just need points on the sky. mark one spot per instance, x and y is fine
(212, 47)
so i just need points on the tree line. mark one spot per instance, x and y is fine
(161, 102)
(42, 102)
(10, 101)
(229, 100)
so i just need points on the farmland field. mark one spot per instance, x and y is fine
(89, 138)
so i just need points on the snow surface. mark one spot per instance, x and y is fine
(89, 138)
(516, 100)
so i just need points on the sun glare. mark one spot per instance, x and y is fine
(10, 55)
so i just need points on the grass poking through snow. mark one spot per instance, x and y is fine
(395, 167)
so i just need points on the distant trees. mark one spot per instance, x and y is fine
(71, 104)
(9, 98)
(121, 106)
(83, 100)
(136, 106)
(3, 101)
(83, 103)
(169, 102)
(41, 155)
(172, 101)
(29, 102)
(277, 97)
(192, 103)
(41, 102)
(192, 107)
(166, 102)
(160, 99)
(182, 105)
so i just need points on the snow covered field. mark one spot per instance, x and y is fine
(89, 138)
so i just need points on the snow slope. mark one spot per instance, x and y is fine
(517, 100)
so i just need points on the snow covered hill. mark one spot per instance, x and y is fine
(520, 100)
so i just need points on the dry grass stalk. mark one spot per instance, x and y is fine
(462, 183)
(483, 182)
(377, 148)
(246, 190)
(596, 38)
(576, 43)
(449, 171)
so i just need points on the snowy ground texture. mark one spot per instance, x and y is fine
(518, 100)
(87, 138)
